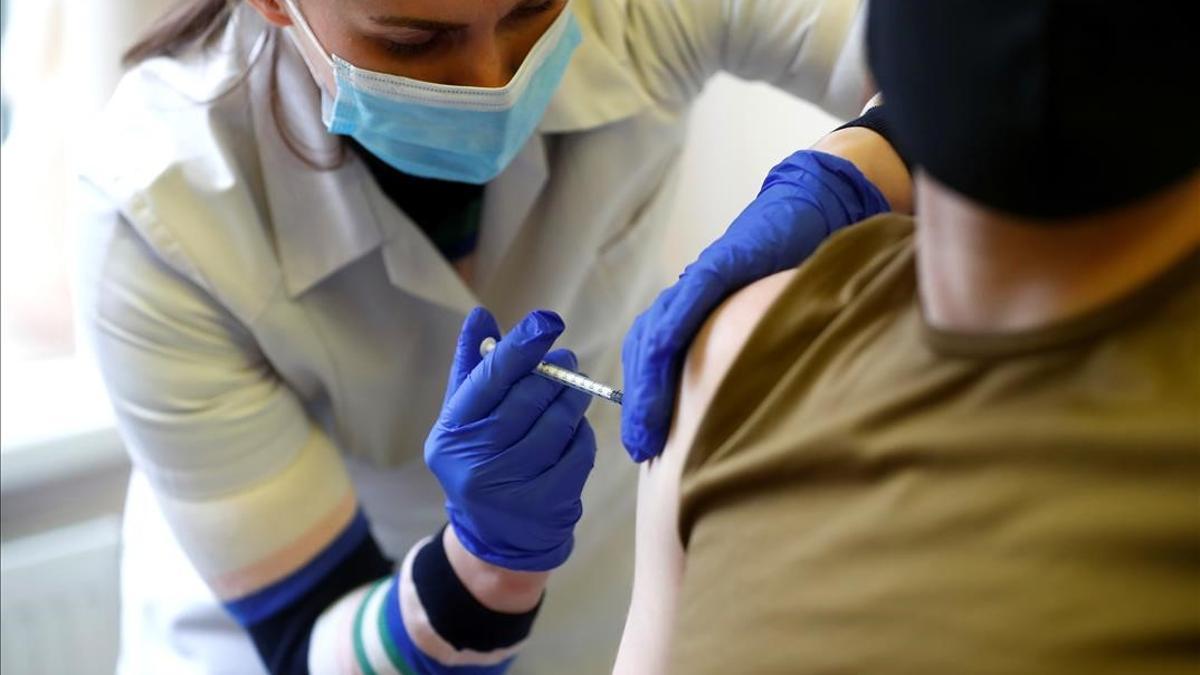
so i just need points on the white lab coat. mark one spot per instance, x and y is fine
(197, 203)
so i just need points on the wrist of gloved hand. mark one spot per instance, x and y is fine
(804, 200)
(512, 450)
(498, 588)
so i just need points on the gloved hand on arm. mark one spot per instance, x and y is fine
(512, 450)
(806, 198)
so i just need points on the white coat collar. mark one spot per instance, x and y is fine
(320, 221)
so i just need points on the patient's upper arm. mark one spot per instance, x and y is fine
(659, 562)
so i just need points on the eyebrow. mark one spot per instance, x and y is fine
(417, 24)
(395, 21)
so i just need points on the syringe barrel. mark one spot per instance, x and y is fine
(564, 376)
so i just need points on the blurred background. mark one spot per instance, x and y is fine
(63, 471)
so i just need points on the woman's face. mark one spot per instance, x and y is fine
(478, 43)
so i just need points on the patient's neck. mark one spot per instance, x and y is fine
(983, 271)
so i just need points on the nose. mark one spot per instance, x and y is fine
(489, 63)
(492, 74)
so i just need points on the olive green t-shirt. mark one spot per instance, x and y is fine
(868, 495)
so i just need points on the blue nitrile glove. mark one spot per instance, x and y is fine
(804, 200)
(511, 449)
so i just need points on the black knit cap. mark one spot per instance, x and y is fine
(1048, 108)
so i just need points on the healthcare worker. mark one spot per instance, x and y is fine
(291, 206)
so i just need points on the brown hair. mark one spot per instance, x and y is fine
(193, 22)
(190, 22)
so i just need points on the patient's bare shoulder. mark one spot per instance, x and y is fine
(718, 345)
(659, 561)
(709, 358)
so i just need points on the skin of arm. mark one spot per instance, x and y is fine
(496, 588)
(877, 160)
(659, 557)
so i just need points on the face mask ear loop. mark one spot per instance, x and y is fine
(319, 63)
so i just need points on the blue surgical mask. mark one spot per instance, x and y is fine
(462, 134)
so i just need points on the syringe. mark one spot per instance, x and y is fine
(561, 375)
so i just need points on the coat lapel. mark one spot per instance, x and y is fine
(318, 215)
(507, 203)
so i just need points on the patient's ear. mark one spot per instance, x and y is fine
(273, 11)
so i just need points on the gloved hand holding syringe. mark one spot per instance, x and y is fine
(561, 375)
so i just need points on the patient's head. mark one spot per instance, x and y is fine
(1045, 109)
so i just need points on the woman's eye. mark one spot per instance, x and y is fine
(423, 41)
(411, 47)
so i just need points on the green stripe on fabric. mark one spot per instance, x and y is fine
(389, 645)
(360, 649)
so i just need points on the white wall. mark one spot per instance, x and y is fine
(739, 131)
